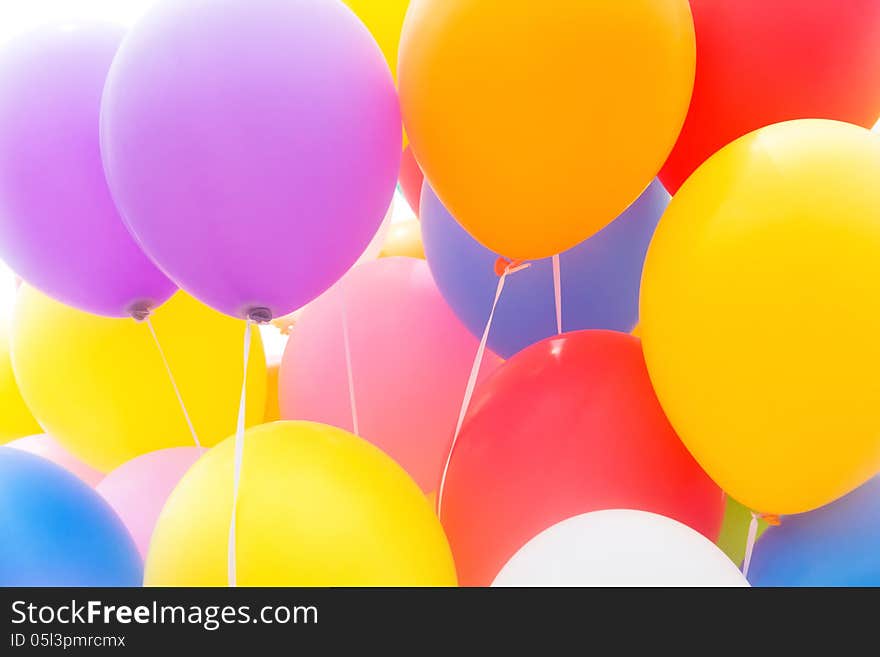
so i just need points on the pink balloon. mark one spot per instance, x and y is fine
(50, 449)
(410, 359)
(137, 490)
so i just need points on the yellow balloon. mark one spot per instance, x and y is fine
(273, 410)
(16, 420)
(99, 387)
(384, 19)
(404, 239)
(539, 121)
(317, 506)
(760, 314)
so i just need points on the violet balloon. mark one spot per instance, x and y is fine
(253, 146)
(600, 277)
(59, 228)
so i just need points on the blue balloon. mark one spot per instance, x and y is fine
(836, 545)
(57, 531)
(599, 277)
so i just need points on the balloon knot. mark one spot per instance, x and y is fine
(260, 315)
(140, 314)
(771, 519)
(504, 266)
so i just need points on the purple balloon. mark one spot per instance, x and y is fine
(253, 146)
(59, 228)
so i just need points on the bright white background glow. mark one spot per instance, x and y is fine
(20, 15)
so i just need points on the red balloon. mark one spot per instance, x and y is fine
(567, 426)
(761, 62)
(410, 179)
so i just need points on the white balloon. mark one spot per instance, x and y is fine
(620, 548)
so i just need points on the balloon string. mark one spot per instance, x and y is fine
(557, 292)
(345, 339)
(239, 454)
(510, 268)
(750, 543)
(161, 351)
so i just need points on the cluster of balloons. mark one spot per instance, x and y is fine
(631, 319)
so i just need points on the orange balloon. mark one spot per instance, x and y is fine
(273, 412)
(538, 123)
(404, 239)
